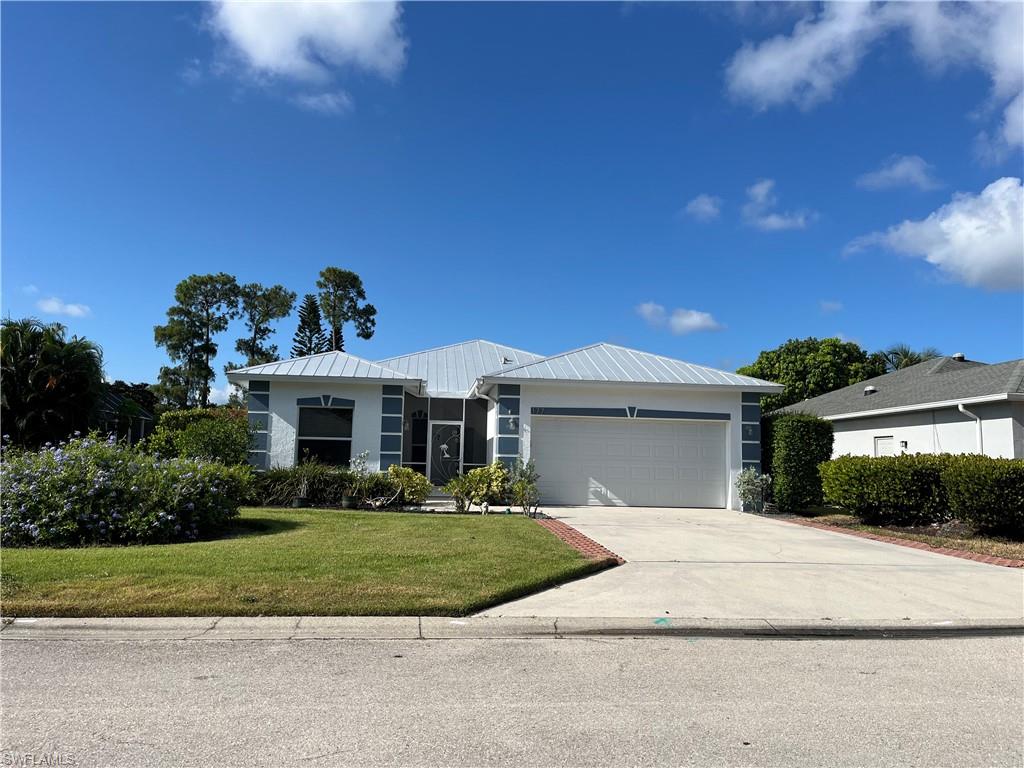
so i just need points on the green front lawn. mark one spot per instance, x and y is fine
(300, 562)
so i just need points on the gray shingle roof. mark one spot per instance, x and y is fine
(324, 365)
(932, 381)
(452, 370)
(611, 363)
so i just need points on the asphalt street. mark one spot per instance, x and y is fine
(541, 701)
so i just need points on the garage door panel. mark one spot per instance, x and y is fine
(629, 462)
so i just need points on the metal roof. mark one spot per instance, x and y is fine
(324, 365)
(611, 363)
(452, 371)
(933, 381)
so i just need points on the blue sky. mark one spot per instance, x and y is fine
(702, 181)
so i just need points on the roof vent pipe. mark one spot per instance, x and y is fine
(958, 356)
(869, 390)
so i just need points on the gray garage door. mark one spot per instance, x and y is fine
(630, 462)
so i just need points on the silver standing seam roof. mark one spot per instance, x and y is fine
(605, 362)
(325, 365)
(452, 371)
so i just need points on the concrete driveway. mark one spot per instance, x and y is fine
(717, 563)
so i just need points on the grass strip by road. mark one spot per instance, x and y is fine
(277, 562)
(954, 538)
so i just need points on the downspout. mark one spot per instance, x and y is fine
(977, 422)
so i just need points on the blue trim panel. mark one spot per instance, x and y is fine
(391, 405)
(508, 389)
(751, 397)
(604, 412)
(751, 451)
(258, 401)
(259, 442)
(387, 459)
(752, 433)
(508, 425)
(508, 446)
(752, 465)
(391, 444)
(257, 459)
(751, 413)
(652, 413)
(342, 402)
(508, 406)
(508, 461)
(391, 424)
(259, 385)
(259, 422)
(394, 389)
(632, 411)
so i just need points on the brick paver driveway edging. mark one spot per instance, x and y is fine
(589, 548)
(1009, 562)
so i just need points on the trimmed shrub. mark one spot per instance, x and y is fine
(94, 491)
(986, 493)
(800, 442)
(415, 487)
(215, 434)
(888, 490)
(488, 485)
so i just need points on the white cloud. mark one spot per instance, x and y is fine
(192, 72)
(307, 40)
(824, 49)
(975, 239)
(704, 207)
(653, 313)
(220, 395)
(759, 210)
(828, 307)
(330, 103)
(55, 306)
(30, 290)
(681, 321)
(901, 171)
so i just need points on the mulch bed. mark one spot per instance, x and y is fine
(894, 539)
(589, 548)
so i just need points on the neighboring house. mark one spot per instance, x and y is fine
(604, 424)
(120, 415)
(944, 405)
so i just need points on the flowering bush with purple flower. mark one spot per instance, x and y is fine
(92, 490)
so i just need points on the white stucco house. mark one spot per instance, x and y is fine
(604, 424)
(944, 405)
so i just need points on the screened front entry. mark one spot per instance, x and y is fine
(444, 436)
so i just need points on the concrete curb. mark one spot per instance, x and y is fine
(484, 627)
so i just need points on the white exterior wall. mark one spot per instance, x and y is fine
(284, 417)
(602, 396)
(944, 430)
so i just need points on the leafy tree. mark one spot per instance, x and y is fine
(260, 307)
(811, 367)
(205, 305)
(309, 338)
(51, 384)
(340, 294)
(902, 356)
(141, 393)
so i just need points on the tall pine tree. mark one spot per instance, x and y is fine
(341, 290)
(309, 338)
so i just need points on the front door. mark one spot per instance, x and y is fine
(445, 452)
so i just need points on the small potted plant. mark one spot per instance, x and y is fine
(752, 488)
(301, 498)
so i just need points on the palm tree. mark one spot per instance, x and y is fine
(50, 384)
(902, 356)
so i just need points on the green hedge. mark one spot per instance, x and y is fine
(323, 486)
(889, 490)
(987, 493)
(919, 489)
(217, 434)
(800, 442)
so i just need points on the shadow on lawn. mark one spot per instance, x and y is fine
(244, 528)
